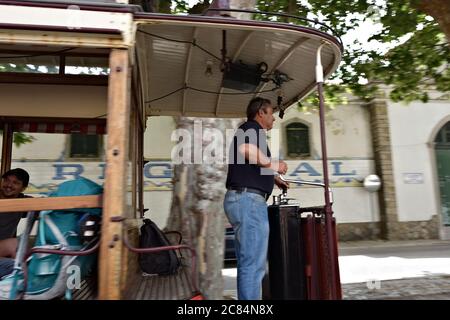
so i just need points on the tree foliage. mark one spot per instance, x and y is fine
(414, 30)
(21, 138)
(419, 57)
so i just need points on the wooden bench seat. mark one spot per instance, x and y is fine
(146, 287)
(88, 290)
(177, 286)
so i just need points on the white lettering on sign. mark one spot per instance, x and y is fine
(413, 178)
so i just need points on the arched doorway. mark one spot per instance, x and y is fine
(442, 149)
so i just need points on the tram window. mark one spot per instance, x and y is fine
(85, 145)
(87, 65)
(94, 1)
(297, 137)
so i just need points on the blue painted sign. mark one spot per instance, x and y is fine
(45, 176)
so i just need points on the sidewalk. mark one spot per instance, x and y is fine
(368, 244)
(412, 270)
(386, 270)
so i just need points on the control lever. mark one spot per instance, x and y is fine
(284, 191)
(310, 183)
(284, 195)
(282, 198)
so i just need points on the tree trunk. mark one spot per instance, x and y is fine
(242, 4)
(197, 208)
(440, 11)
(197, 204)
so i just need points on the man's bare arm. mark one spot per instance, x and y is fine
(254, 155)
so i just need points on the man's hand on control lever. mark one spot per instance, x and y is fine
(281, 168)
(280, 183)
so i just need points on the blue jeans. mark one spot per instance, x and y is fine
(6, 266)
(247, 213)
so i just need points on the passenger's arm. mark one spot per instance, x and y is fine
(8, 248)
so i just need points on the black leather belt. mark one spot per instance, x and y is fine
(265, 195)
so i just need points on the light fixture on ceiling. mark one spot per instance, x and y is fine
(208, 71)
(243, 77)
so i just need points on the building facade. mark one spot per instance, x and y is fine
(407, 146)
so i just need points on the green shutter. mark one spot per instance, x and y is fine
(84, 146)
(297, 140)
(443, 168)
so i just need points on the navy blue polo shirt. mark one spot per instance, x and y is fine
(241, 173)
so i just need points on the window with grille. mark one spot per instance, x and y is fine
(297, 136)
(85, 145)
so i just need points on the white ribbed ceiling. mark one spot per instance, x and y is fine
(173, 57)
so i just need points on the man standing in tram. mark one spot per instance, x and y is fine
(250, 181)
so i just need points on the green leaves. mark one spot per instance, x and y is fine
(199, 7)
(20, 138)
(419, 64)
(420, 55)
(334, 95)
(399, 20)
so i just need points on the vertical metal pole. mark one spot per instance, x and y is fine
(62, 65)
(328, 211)
(6, 147)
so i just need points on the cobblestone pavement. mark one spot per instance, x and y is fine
(435, 287)
(419, 268)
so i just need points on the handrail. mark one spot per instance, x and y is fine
(50, 203)
(167, 248)
(178, 233)
(334, 33)
(83, 252)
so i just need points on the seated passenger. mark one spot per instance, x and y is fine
(13, 183)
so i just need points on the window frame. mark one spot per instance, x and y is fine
(100, 145)
(308, 140)
(444, 135)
